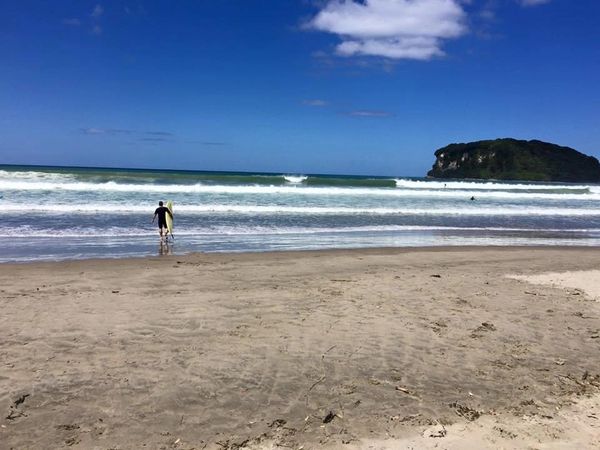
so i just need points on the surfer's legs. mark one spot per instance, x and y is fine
(164, 233)
(162, 225)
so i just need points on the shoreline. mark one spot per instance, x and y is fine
(380, 347)
(283, 253)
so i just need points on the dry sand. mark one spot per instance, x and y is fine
(381, 349)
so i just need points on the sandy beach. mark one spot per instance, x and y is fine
(380, 349)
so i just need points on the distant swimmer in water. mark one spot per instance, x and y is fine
(472, 198)
(161, 212)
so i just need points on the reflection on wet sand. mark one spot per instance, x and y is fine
(165, 248)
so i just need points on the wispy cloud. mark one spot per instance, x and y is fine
(136, 9)
(488, 10)
(97, 11)
(108, 131)
(395, 29)
(154, 139)
(95, 15)
(315, 102)
(160, 133)
(533, 2)
(207, 143)
(93, 131)
(72, 22)
(370, 113)
(149, 135)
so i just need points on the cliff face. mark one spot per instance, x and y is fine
(510, 159)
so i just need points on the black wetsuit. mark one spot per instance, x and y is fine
(162, 212)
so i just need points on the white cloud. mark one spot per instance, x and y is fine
(533, 2)
(415, 47)
(413, 29)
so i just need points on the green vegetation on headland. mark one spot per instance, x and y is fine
(511, 159)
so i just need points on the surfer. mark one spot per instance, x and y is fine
(161, 212)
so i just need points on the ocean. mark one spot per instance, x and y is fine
(56, 213)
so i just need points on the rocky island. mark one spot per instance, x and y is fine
(511, 159)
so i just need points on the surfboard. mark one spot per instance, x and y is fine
(169, 218)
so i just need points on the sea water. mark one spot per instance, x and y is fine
(52, 213)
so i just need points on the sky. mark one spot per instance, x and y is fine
(368, 87)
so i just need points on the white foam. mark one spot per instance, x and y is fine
(111, 186)
(26, 231)
(64, 179)
(505, 210)
(34, 175)
(295, 179)
(485, 185)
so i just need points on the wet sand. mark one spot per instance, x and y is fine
(385, 348)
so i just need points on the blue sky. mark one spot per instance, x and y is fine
(371, 87)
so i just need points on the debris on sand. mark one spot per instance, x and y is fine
(438, 431)
(329, 417)
(13, 412)
(277, 423)
(483, 328)
(464, 411)
(403, 389)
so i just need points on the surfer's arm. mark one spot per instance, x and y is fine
(154, 218)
